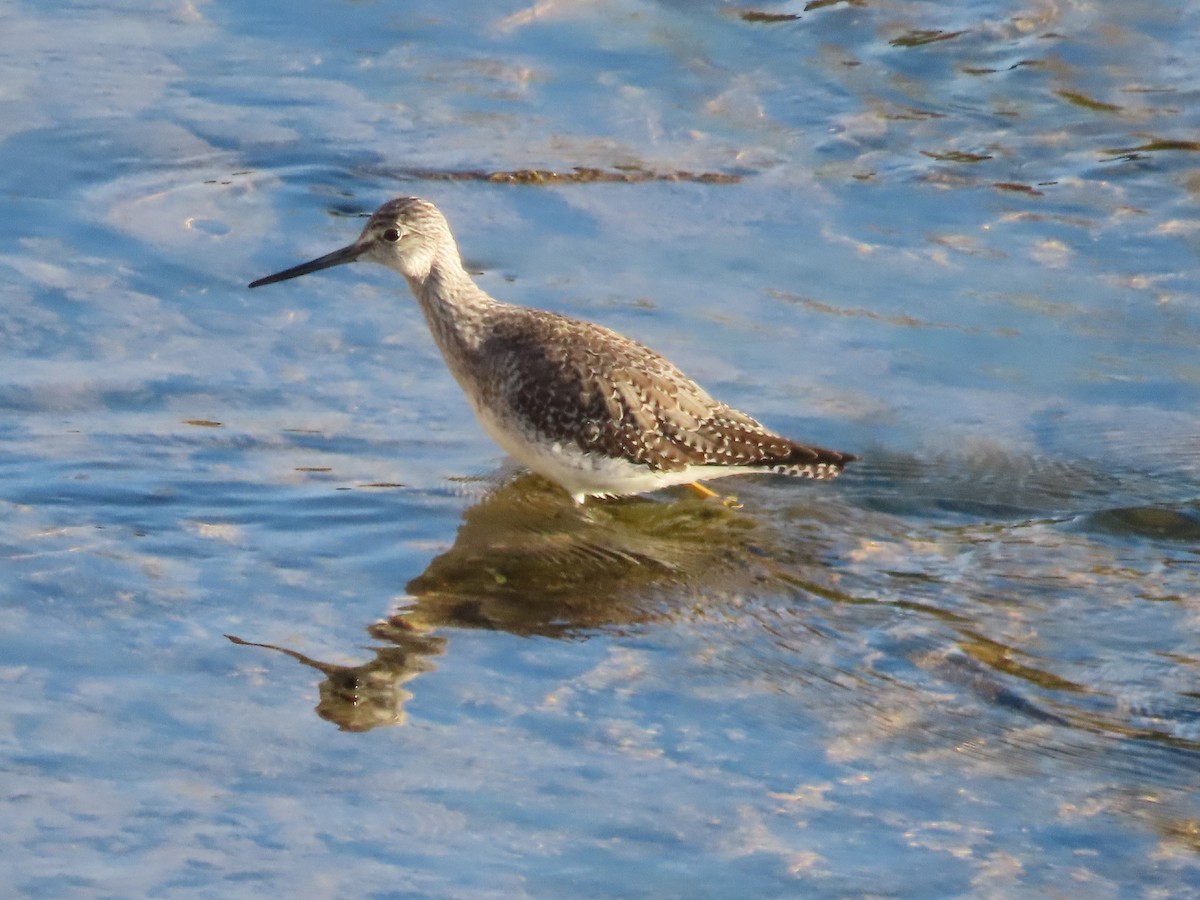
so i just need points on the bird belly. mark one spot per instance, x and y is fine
(583, 474)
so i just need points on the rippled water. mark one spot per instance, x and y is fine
(959, 240)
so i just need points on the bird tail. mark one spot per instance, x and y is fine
(803, 461)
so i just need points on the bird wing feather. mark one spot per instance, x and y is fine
(582, 384)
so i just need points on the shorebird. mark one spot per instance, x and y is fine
(580, 404)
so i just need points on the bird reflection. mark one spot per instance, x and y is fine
(359, 698)
(528, 561)
(913, 629)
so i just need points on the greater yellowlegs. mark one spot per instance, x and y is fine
(579, 404)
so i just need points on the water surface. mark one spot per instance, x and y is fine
(960, 241)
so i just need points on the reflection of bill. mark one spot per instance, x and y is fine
(359, 698)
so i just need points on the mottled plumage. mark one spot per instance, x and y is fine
(578, 403)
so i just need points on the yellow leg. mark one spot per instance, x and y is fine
(731, 501)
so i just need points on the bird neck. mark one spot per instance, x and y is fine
(455, 307)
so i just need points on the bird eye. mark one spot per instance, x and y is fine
(392, 235)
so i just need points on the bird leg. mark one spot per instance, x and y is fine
(731, 502)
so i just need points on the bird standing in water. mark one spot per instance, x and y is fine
(590, 409)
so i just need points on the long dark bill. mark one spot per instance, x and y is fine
(336, 258)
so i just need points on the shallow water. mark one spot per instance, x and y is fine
(958, 241)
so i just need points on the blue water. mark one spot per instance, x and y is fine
(959, 241)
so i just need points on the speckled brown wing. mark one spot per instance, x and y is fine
(578, 383)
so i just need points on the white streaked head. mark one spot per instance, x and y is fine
(407, 234)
